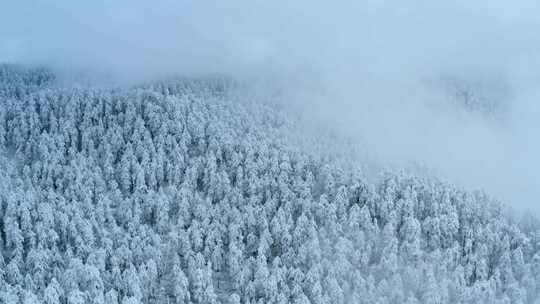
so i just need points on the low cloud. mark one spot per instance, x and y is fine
(376, 70)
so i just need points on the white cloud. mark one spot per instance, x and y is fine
(375, 61)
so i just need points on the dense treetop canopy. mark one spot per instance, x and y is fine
(183, 192)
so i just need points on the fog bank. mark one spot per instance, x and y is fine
(388, 74)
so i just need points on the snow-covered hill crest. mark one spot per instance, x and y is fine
(182, 192)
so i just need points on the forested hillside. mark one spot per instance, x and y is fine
(182, 192)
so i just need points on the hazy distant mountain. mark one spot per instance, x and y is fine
(186, 191)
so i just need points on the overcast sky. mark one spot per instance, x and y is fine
(369, 68)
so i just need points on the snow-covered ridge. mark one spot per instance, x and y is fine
(185, 192)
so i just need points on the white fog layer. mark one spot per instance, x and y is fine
(382, 66)
(250, 152)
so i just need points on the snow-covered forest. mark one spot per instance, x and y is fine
(182, 191)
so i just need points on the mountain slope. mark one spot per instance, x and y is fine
(183, 192)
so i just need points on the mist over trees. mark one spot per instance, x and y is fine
(376, 63)
(181, 191)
